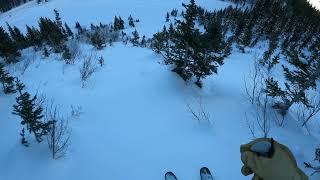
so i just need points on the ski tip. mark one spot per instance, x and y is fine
(205, 170)
(205, 174)
(170, 176)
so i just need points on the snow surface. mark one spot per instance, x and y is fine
(135, 122)
(315, 3)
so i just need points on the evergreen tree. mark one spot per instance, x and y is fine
(8, 49)
(17, 37)
(227, 48)
(143, 42)
(34, 37)
(46, 52)
(66, 55)
(53, 33)
(298, 80)
(68, 30)
(6, 81)
(167, 17)
(116, 23)
(101, 61)
(23, 138)
(135, 38)
(246, 39)
(79, 28)
(190, 51)
(31, 116)
(174, 13)
(57, 17)
(121, 23)
(131, 21)
(158, 42)
(171, 31)
(214, 36)
(97, 41)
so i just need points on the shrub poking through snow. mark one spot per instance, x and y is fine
(316, 169)
(88, 67)
(200, 113)
(59, 134)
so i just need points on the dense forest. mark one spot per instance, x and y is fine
(6, 5)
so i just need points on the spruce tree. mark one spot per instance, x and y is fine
(214, 36)
(57, 17)
(97, 41)
(68, 30)
(143, 42)
(121, 23)
(135, 38)
(53, 33)
(174, 13)
(79, 28)
(31, 116)
(131, 21)
(17, 37)
(116, 23)
(101, 61)
(34, 37)
(298, 80)
(46, 52)
(23, 138)
(8, 48)
(158, 42)
(190, 51)
(66, 55)
(167, 17)
(7, 81)
(171, 31)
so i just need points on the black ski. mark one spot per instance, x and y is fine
(170, 176)
(205, 174)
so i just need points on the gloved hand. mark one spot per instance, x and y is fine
(278, 164)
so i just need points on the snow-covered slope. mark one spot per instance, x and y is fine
(135, 122)
(315, 3)
(151, 13)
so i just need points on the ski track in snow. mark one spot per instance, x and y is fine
(135, 123)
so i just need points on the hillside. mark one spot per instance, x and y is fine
(131, 119)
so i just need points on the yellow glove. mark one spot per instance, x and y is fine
(278, 164)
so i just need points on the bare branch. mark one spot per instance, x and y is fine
(88, 67)
(59, 135)
(200, 114)
(306, 114)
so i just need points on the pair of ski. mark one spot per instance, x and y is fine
(205, 174)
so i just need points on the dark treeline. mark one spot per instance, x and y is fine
(6, 5)
(292, 24)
